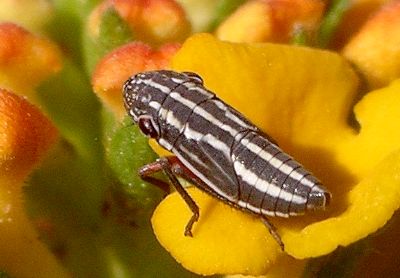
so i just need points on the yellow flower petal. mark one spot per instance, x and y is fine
(371, 204)
(379, 116)
(296, 94)
(372, 157)
(286, 266)
(228, 229)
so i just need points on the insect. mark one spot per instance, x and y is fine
(217, 149)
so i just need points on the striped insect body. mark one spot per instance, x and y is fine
(218, 149)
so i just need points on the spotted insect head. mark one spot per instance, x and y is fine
(137, 97)
(145, 92)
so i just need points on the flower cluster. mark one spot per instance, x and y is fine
(85, 212)
(26, 135)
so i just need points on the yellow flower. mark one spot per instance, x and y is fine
(303, 98)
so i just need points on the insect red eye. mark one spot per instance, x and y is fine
(147, 126)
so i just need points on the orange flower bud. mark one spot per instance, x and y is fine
(25, 59)
(25, 135)
(276, 20)
(355, 16)
(120, 64)
(375, 50)
(152, 21)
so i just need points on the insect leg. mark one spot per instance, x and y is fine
(167, 164)
(273, 231)
(180, 170)
(173, 167)
(152, 168)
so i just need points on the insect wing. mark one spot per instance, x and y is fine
(210, 133)
(218, 158)
(199, 157)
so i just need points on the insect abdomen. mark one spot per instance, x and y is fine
(270, 181)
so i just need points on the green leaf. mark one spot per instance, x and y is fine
(71, 104)
(74, 172)
(4, 274)
(67, 25)
(127, 151)
(331, 21)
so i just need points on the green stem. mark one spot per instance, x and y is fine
(331, 21)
